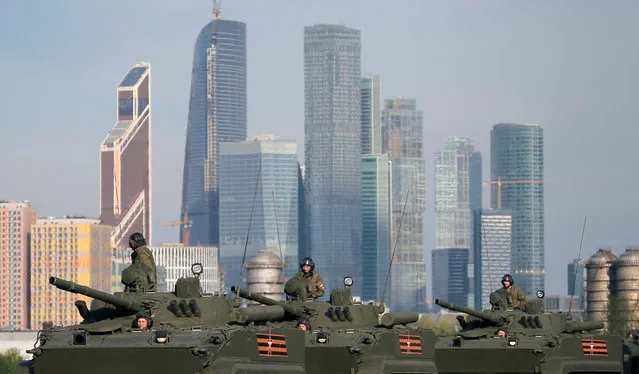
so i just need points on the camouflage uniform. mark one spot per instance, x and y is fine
(144, 256)
(517, 297)
(315, 287)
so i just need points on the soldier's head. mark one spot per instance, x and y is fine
(143, 321)
(304, 325)
(136, 240)
(501, 333)
(507, 281)
(307, 265)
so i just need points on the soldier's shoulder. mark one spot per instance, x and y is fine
(317, 276)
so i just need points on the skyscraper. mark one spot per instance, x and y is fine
(492, 247)
(275, 212)
(457, 178)
(450, 275)
(577, 281)
(517, 161)
(371, 115)
(332, 74)
(452, 194)
(125, 160)
(376, 225)
(217, 114)
(16, 218)
(403, 140)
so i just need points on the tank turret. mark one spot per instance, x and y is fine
(555, 339)
(186, 330)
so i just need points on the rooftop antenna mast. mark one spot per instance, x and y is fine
(397, 234)
(217, 10)
(248, 232)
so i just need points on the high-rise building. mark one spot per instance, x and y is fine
(371, 115)
(125, 161)
(332, 127)
(475, 176)
(272, 200)
(517, 165)
(77, 249)
(217, 114)
(176, 261)
(376, 225)
(492, 234)
(450, 275)
(577, 281)
(16, 218)
(452, 194)
(454, 186)
(402, 139)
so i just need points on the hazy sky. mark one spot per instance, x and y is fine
(571, 66)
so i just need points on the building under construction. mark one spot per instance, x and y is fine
(612, 289)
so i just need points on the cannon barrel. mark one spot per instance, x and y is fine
(471, 312)
(245, 294)
(259, 313)
(585, 326)
(398, 318)
(72, 287)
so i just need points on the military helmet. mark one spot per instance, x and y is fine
(307, 261)
(507, 278)
(136, 240)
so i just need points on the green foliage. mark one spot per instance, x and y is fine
(9, 360)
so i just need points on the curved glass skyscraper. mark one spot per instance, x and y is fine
(517, 160)
(217, 114)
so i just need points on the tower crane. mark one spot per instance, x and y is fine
(186, 225)
(499, 182)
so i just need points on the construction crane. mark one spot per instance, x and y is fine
(217, 8)
(499, 182)
(186, 225)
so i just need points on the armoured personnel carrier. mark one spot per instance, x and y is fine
(507, 340)
(345, 336)
(187, 331)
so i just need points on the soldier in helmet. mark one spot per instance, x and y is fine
(511, 294)
(315, 284)
(142, 254)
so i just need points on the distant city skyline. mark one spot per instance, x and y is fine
(568, 82)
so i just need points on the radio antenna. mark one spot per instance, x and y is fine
(397, 234)
(248, 232)
(277, 228)
(574, 278)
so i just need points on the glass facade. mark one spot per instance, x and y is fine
(370, 94)
(402, 139)
(376, 226)
(492, 234)
(332, 74)
(217, 114)
(452, 194)
(450, 274)
(577, 281)
(277, 194)
(457, 191)
(517, 159)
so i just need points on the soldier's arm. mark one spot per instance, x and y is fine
(521, 296)
(319, 287)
